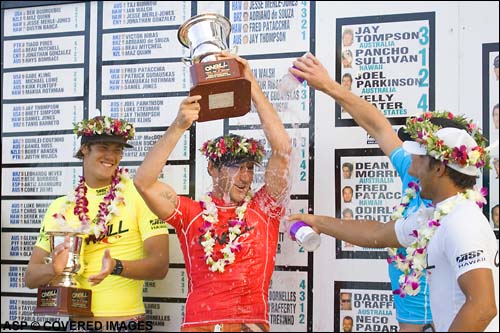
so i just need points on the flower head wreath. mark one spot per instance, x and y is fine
(423, 130)
(233, 148)
(103, 128)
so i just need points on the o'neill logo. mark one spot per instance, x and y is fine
(216, 67)
(49, 293)
(470, 258)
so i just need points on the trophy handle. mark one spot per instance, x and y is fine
(186, 61)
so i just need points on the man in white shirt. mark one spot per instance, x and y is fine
(454, 241)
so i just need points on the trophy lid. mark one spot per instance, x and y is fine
(204, 21)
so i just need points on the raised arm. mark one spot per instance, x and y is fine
(364, 113)
(160, 197)
(277, 176)
(358, 232)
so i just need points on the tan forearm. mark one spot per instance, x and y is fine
(38, 275)
(363, 233)
(472, 318)
(157, 157)
(271, 123)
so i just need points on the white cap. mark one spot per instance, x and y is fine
(453, 138)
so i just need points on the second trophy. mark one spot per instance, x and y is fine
(63, 297)
(225, 91)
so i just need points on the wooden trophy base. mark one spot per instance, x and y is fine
(225, 91)
(64, 301)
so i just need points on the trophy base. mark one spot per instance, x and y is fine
(225, 92)
(64, 301)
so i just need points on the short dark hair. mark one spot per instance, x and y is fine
(348, 165)
(493, 208)
(347, 75)
(460, 180)
(348, 318)
(345, 187)
(495, 62)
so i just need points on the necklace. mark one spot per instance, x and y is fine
(207, 239)
(107, 208)
(413, 264)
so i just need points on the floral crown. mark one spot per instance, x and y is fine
(422, 130)
(103, 125)
(233, 148)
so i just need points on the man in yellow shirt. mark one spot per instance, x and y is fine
(127, 244)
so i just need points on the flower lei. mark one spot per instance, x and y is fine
(422, 130)
(107, 208)
(210, 217)
(231, 147)
(414, 262)
(104, 125)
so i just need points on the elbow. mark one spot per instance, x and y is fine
(162, 273)
(160, 269)
(29, 282)
(488, 314)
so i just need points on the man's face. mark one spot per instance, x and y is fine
(347, 325)
(495, 117)
(495, 217)
(419, 168)
(345, 301)
(232, 182)
(347, 215)
(101, 161)
(346, 61)
(346, 172)
(347, 39)
(347, 82)
(347, 194)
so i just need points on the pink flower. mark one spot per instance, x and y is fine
(460, 155)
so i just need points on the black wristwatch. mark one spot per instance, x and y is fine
(118, 267)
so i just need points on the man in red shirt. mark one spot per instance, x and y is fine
(229, 237)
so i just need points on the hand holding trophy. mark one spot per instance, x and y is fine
(225, 91)
(63, 296)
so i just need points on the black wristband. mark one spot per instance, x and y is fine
(118, 267)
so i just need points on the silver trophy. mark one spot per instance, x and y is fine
(221, 83)
(67, 278)
(63, 296)
(204, 35)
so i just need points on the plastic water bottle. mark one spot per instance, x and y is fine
(305, 236)
(289, 83)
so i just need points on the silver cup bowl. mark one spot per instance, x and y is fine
(205, 35)
(66, 279)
